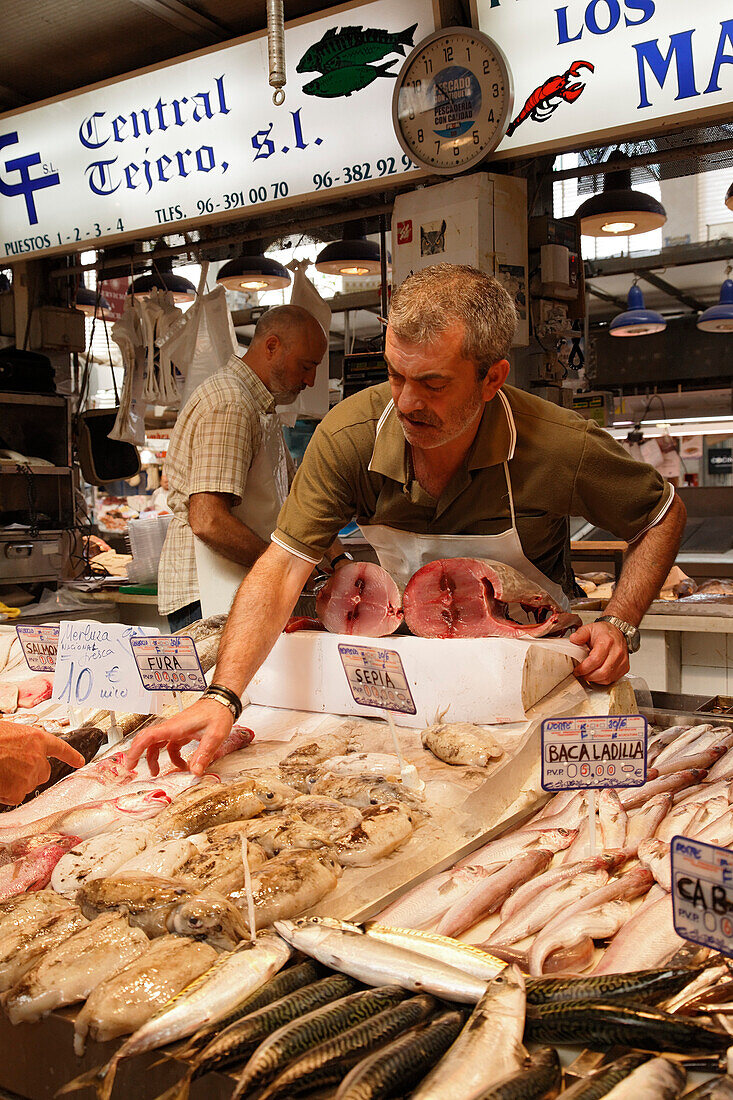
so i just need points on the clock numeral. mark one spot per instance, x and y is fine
(428, 65)
(468, 53)
(411, 113)
(420, 136)
(476, 137)
(417, 85)
(448, 53)
(490, 116)
(487, 67)
(456, 150)
(437, 147)
(495, 91)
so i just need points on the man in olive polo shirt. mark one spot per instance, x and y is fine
(445, 460)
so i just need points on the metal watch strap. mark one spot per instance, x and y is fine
(345, 556)
(629, 632)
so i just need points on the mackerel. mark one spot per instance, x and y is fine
(601, 1025)
(639, 986)
(658, 1079)
(540, 1078)
(600, 1083)
(489, 1047)
(400, 1065)
(295, 1038)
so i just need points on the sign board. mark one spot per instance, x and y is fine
(95, 668)
(199, 139)
(377, 678)
(591, 753)
(115, 292)
(702, 893)
(588, 72)
(169, 663)
(39, 645)
(720, 460)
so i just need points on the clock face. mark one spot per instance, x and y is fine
(453, 100)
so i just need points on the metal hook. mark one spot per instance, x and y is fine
(276, 49)
(278, 97)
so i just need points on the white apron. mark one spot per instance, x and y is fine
(402, 553)
(264, 494)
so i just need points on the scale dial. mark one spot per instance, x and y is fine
(453, 100)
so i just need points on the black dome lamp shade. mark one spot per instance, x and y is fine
(161, 277)
(88, 302)
(253, 271)
(619, 211)
(352, 256)
(729, 198)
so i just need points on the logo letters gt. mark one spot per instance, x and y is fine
(26, 185)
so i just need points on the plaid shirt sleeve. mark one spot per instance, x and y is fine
(223, 445)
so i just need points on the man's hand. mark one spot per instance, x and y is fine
(24, 752)
(206, 721)
(608, 659)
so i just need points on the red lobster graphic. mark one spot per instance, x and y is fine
(546, 99)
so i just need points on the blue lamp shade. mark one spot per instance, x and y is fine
(719, 318)
(637, 320)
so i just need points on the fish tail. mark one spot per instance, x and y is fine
(91, 1077)
(386, 69)
(406, 36)
(179, 1091)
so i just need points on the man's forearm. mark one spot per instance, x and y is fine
(646, 566)
(232, 539)
(261, 608)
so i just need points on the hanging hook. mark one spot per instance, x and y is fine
(276, 49)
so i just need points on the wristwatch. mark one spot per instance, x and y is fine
(630, 633)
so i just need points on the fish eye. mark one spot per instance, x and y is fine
(195, 922)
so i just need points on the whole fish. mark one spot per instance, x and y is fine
(702, 758)
(508, 847)
(294, 1039)
(718, 832)
(600, 924)
(675, 745)
(633, 797)
(600, 1083)
(658, 1079)
(707, 980)
(23, 948)
(288, 884)
(489, 1047)
(382, 829)
(654, 855)
(236, 1042)
(94, 817)
(328, 1063)
(424, 905)
(127, 1000)
(639, 986)
(722, 769)
(34, 863)
(98, 857)
(546, 906)
(540, 1078)
(371, 961)
(601, 1025)
(231, 980)
(712, 809)
(463, 956)
(344, 81)
(568, 960)
(489, 893)
(646, 820)
(718, 1088)
(647, 940)
(461, 743)
(557, 804)
(624, 888)
(606, 861)
(327, 815)
(613, 818)
(393, 1070)
(661, 739)
(70, 971)
(364, 793)
(353, 46)
(87, 740)
(571, 816)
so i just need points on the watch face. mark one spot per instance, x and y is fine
(453, 100)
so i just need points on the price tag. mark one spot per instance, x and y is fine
(591, 753)
(168, 663)
(377, 678)
(702, 893)
(40, 645)
(95, 668)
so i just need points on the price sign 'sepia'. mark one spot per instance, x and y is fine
(40, 646)
(168, 663)
(702, 893)
(377, 678)
(592, 753)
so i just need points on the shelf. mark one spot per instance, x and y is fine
(11, 468)
(32, 399)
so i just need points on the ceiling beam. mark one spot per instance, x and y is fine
(672, 291)
(340, 303)
(9, 98)
(680, 256)
(186, 19)
(642, 160)
(605, 296)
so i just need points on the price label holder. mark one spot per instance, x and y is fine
(168, 663)
(40, 645)
(95, 668)
(376, 678)
(593, 753)
(702, 893)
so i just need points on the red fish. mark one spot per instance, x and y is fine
(31, 862)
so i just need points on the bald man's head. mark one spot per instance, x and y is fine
(287, 346)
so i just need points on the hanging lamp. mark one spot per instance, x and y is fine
(160, 276)
(729, 198)
(353, 256)
(253, 271)
(5, 284)
(637, 320)
(87, 301)
(719, 318)
(619, 211)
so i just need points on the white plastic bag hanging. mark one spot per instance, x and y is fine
(313, 401)
(127, 333)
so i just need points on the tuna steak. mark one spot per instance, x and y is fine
(471, 598)
(360, 599)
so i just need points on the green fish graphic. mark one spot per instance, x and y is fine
(353, 46)
(344, 81)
